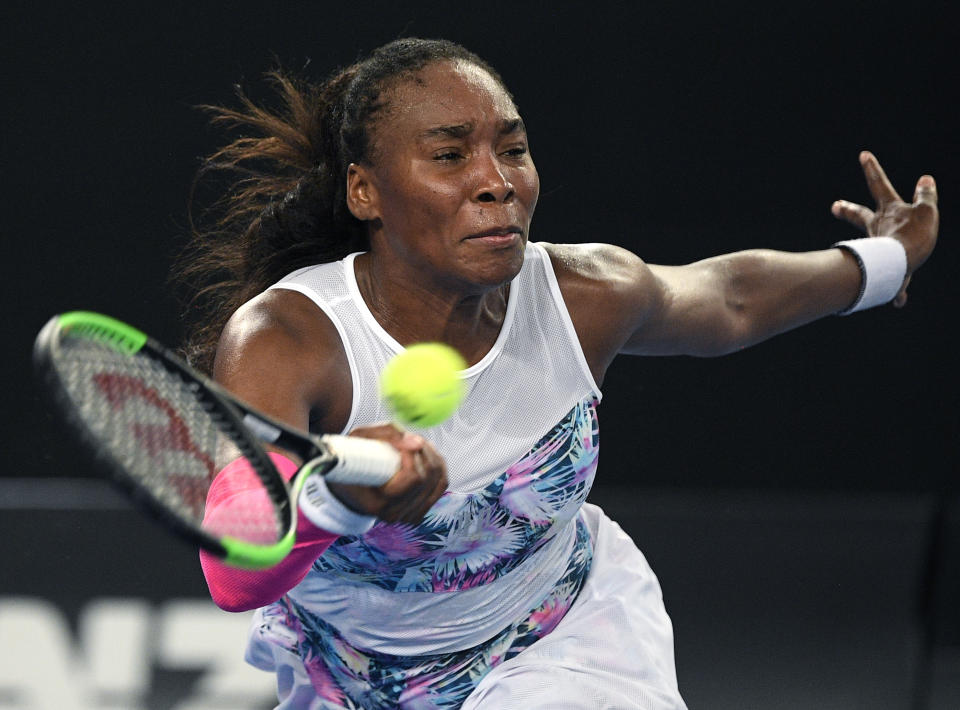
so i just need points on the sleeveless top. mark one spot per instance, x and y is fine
(521, 453)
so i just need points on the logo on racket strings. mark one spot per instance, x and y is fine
(159, 439)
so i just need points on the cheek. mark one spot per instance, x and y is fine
(420, 200)
(529, 189)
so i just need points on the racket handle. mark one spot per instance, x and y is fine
(365, 462)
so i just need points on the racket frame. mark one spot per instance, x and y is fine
(244, 424)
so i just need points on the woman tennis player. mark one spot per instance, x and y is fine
(391, 205)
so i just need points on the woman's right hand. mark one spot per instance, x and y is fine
(281, 355)
(417, 485)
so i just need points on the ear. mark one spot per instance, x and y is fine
(362, 197)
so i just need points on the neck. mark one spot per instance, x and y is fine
(413, 308)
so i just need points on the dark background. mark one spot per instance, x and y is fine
(678, 130)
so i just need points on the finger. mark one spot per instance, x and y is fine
(437, 473)
(433, 461)
(413, 506)
(435, 485)
(437, 479)
(418, 465)
(855, 214)
(439, 489)
(901, 298)
(419, 459)
(410, 442)
(405, 481)
(877, 181)
(926, 192)
(415, 503)
(402, 506)
(386, 431)
(429, 499)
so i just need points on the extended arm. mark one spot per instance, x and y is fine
(725, 303)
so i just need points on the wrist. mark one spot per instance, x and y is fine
(322, 508)
(883, 268)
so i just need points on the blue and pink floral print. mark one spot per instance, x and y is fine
(469, 539)
(465, 540)
(344, 676)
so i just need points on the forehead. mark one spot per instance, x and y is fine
(447, 93)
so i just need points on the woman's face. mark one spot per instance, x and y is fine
(452, 187)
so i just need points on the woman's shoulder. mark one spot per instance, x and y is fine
(281, 340)
(596, 267)
(607, 290)
(279, 319)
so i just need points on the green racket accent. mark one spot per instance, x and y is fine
(96, 326)
(249, 556)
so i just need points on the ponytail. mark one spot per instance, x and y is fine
(284, 206)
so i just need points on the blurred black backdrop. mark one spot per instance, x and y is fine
(678, 130)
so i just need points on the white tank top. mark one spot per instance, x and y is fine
(521, 452)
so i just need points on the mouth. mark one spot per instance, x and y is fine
(498, 235)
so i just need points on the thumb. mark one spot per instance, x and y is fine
(926, 191)
(900, 300)
(409, 442)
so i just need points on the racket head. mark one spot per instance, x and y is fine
(162, 432)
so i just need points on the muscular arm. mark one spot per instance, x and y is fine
(619, 304)
(726, 303)
(720, 305)
(263, 357)
(280, 354)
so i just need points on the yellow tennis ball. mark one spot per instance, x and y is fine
(422, 384)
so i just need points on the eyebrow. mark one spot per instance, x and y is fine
(514, 125)
(462, 130)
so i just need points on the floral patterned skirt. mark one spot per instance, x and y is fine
(344, 676)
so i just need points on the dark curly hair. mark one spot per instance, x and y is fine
(284, 203)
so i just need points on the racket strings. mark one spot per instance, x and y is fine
(169, 439)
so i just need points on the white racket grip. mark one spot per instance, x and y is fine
(364, 462)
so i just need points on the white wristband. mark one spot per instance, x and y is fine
(883, 267)
(325, 510)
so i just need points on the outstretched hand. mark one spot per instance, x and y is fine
(913, 225)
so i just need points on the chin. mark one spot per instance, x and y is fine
(499, 271)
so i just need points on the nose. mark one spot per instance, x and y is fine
(493, 183)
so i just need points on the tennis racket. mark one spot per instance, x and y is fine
(161, 431)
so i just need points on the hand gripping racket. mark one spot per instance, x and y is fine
(162, 432)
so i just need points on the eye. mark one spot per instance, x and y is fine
(447, 156)
(516, 152)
